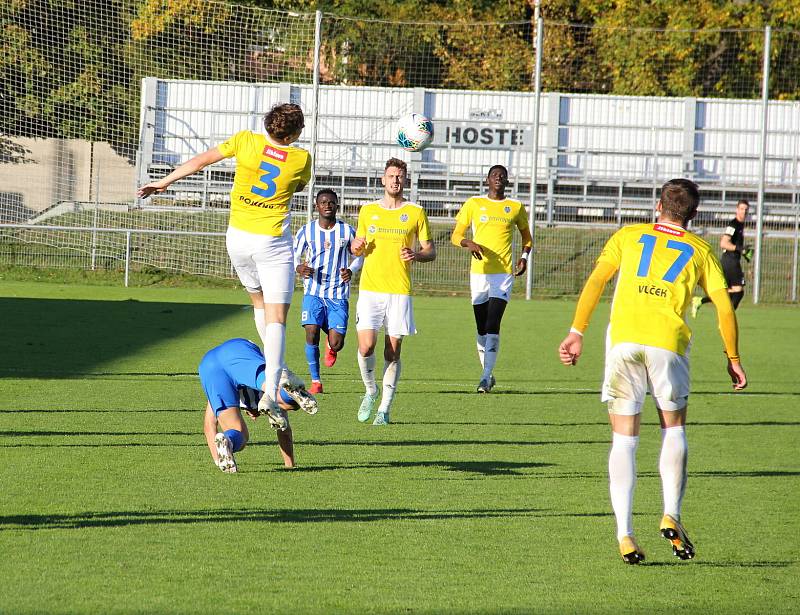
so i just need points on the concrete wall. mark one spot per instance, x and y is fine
(63, 170)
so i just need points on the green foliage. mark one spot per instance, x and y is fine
(666, 48)
(63, 71)
(72, 69)
(194, 39)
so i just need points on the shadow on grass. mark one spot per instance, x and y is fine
(57, 338)
(592, 392)
(756, 564)
(177, 517)
(604, 423)
(498, 392)
(603, 475)
(485, 468)
(102, 410)
(753, 564)
(443, 442)
(38, 432)
(409, 423)
(301, 443)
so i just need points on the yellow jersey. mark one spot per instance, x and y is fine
(493, 224)
(658, 265)
(386, 232)
(265, 180)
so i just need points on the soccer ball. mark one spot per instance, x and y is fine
(414, 132)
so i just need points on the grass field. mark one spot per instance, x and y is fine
(466, 504)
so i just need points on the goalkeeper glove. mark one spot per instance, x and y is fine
(747, 253)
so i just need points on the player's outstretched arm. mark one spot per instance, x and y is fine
(187, 168)
(286, 446)
(729, 331)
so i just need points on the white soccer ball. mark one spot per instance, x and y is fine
(414, 132)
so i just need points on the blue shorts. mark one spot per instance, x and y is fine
(230, 366)
(327, 314)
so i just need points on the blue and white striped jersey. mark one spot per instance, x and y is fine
(326, 251)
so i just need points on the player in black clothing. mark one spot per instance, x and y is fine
(733, 249)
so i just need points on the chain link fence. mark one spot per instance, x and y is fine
(101, 96)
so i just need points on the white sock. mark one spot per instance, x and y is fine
(672, 467)
(274, 344)
(261, 324)
(481, 341)
(367, 367)
(391, 375)
(490, 354)
(622, 481)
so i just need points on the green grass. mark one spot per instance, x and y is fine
(467, 504)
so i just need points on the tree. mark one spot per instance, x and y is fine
(62, 72)
(669, 48)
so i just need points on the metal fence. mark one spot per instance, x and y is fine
(611, 127)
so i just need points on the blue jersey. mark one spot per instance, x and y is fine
(327, 251)
(232, 375)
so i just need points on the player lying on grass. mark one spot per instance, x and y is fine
(322, 259)
(232, 376)
(647, 347)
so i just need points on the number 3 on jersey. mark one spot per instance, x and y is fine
(268, 179)
(685, 253)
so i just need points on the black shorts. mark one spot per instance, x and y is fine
(732, 268)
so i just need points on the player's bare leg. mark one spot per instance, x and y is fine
(736, 293)
(335, 343)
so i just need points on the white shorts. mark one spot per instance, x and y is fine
(392, 311)
(632, 369)
(264, 263)
(485, 286)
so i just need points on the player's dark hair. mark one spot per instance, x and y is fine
(497, 166)
(397, 163)
(284, 120)
(327, 191)
(679, 199)
(743, 202)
